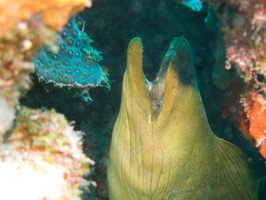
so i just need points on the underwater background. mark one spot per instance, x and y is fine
(112, 24)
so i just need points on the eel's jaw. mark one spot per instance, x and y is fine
(176, 72)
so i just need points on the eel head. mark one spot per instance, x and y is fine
(162, 145)
(172, 95)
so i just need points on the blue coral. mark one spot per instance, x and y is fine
(71, 61)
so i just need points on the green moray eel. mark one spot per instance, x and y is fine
(162, 145)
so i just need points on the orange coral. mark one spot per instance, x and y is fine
(55, 13)
(256, 114)
(248, 112)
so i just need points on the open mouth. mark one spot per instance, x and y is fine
(175, 73)
(156, 87)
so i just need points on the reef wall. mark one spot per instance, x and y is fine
(36, 146)
(242, 69)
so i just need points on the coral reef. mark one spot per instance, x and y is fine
(44, 153)
(70, 60)
(16, 49)
(39, 150)
(24, 29)
(112, 25)
(243, 26)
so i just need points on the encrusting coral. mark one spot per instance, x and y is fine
(16, 49)
(25, 26)
(39, 150)
(244, 34)
(46, 154)
(55, 13)
(7, 116)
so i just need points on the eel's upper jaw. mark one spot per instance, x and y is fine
(176, 71)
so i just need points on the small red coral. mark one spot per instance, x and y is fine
(256, 113)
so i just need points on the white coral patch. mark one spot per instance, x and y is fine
(20, 180)
(6, 117)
